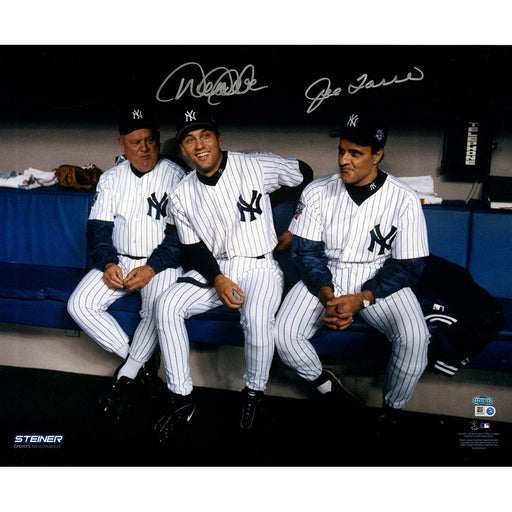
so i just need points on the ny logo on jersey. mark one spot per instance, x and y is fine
(383, 241)
(251, 208)
(159, 206)
(190, 116)
(137, 114)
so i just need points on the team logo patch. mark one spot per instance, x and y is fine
(384, 241)
(190, 116)
(160, 207)
(379, 135)
(298, 211)
(252, 207)
(352, 120)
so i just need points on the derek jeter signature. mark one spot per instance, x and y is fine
(321, 89)
(214, 84)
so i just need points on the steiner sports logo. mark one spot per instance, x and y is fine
(38, 440)
(483, 400)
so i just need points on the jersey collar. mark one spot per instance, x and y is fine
(214, 178)
(360, 194)
(141, 174)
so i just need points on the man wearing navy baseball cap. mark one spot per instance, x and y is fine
(363, 129)
(137, 117)
(359, 239)
(134, 249)
(194, 119)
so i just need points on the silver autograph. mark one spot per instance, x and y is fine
(217, 83)
(321, 89)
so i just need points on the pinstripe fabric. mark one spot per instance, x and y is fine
(234, 220)
(358, 240)
(136, 206)
(90, 300)
(330, 215)
(138, 209)
(87, 306)
(212, 214)
(261, 280)
(399, 317)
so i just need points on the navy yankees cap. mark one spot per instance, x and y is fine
(362, 128)
(136, 117)
(193, 119)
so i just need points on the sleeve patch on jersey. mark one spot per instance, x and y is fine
(300, 208)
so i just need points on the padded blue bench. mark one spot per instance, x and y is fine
(44, 255)
(490, 264)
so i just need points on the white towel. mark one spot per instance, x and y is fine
(424, 187)
(15, 180)
(44, 178)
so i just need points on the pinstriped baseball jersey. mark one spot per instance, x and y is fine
(357, 241)
(136, 206)
(234, 217)
(389, 223)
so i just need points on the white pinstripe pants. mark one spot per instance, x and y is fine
(90, 300)
(261, 280)
(398, 317)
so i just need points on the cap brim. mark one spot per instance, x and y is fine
(180, 134)
(360, 139)
(126, 128)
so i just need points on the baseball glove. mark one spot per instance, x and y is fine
(72, 176)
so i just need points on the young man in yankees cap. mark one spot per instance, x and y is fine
(224, 220)
(359, 236)
(134, 248)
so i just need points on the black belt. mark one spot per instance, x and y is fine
(133, 257)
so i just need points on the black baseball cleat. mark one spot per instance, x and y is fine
(180, 410)
(115, 399)
(389, 424)
(152, 385)
(336, 390)
(252, 406)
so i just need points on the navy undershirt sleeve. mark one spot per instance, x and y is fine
(99, 239)
(167, 254)
(311, 262)
(293, 193)
(198, 257)
(395, 275)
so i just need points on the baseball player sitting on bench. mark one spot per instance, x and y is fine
(134, 248)
(224, 220)
(347, 225)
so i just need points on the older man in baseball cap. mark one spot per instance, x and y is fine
(134, 249)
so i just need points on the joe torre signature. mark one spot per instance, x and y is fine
(321, 89)
(217, 83)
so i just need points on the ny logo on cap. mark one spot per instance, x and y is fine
(137, 114)
(352, 120)
(190, 116)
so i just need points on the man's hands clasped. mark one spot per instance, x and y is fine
(340, 311)
(134, 280)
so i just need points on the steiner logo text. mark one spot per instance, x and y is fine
(38, 439)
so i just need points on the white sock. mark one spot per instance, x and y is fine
(130, 368)
(326, 387)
